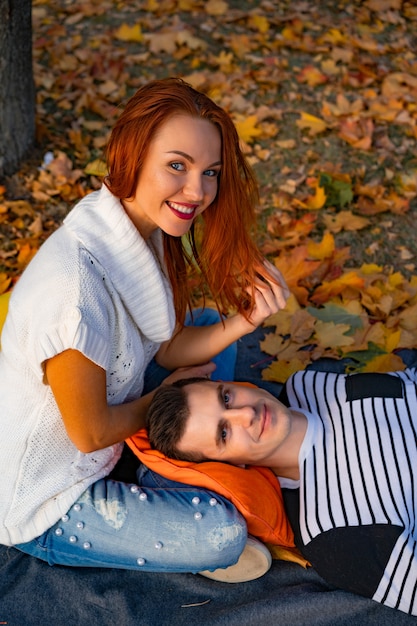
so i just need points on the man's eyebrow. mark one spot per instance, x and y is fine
(220, 423)
(190, 158)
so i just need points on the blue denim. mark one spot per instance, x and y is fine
(164, 527)
(225, 361)
(153, 524)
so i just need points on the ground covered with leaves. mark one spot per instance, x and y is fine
(324, 96)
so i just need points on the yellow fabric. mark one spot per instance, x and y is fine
(4, 304)
(254, 491)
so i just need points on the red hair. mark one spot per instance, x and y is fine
(227, 256)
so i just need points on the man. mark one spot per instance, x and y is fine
(345, 454)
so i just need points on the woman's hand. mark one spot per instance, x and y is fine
(201, 371)
(270, 295)
(196, 344)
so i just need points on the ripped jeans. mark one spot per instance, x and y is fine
(151, 524)
(155, 526)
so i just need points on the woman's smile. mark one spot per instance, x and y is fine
(179, 177)
(183, 211)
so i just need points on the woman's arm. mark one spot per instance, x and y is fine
(79, 387)
(198, 344)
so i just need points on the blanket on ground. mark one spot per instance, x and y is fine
(34, 594)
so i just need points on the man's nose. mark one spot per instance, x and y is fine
(243, 416)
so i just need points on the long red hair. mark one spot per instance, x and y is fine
(227, 256)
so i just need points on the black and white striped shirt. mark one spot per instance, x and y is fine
(356, 504)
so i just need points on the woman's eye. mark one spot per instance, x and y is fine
(212, 173)
(226, 399)
(177, 166)
(223, 434)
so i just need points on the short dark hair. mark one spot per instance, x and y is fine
(167, 419)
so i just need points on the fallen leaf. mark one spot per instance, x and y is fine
(313, 124)
(129, 33)
(247, 129)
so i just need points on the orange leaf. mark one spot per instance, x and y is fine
(357, 133)
(312, 76)
(295, 265)
(216, 7)
(329, 289)
(5, 281)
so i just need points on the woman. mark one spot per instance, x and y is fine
(105, 294)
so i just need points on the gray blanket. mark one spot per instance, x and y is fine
(32, 593)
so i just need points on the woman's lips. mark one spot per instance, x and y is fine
(183, 211)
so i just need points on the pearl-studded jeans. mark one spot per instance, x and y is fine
(152, 524)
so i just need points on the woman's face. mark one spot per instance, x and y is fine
(179, 178)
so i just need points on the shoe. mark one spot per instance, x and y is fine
(253, 563)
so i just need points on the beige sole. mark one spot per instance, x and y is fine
(253, 563)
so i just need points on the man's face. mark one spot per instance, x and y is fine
(234, 423)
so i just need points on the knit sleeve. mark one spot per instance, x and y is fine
(66, 311)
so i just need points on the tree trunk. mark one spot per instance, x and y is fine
(17, 90)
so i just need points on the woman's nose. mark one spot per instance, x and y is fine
(193, 188)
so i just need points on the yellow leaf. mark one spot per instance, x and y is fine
(345, 220)
(322, 250)
(246, 128)
(260, 23)
(129, 33)
(385, 363)
(371, 268)
(331, 335)
(273, 344)
(314, 124)
(408, 318)
(282, 318)
(318, 200)
(4, 304)
(392, 340)
(280, 371)
(96, 168)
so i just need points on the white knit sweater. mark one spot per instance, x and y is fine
(95, 286)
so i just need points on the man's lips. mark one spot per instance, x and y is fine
(265, 420)
(183, 211)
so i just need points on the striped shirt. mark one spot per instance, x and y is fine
(356, 499)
